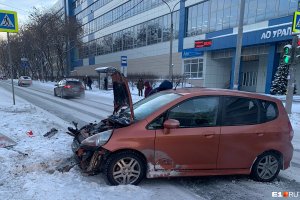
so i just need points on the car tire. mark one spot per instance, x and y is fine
(55, 93)
(124, 168)
(266, 167)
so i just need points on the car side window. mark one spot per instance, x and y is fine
(269, 111)
(196, 112)
(240, 111)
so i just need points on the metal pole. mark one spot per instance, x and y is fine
(171, 49)
(42, 70)
(239, 46)
(11, 68)
(291, 78)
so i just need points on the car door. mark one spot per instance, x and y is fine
(240, 133)
(194, 145)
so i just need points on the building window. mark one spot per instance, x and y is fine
(217, 15)
(147, 33)
(193, 68)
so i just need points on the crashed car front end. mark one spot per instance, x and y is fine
(88, 141)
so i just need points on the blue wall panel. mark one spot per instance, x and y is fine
(92, 60)
(282, 20)
(219, 33)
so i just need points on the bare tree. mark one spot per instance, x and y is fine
(43, 41)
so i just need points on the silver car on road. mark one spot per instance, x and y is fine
(69, 88)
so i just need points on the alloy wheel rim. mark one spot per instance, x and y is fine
(267, 167)
(126, 171)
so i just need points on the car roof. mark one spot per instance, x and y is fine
(223, 92)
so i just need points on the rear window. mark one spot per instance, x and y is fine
(269, 110)
(25, 77)
(74, 83)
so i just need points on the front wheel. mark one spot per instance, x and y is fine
(266, 167)
(124, 168)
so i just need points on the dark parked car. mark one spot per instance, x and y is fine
(69, 88)
(186, 132)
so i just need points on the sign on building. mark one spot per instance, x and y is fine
(203, 43)
(8, 21)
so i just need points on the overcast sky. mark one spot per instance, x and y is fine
(24, 7)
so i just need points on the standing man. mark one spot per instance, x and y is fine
(89, 82)
(105, 83)
(140, 86)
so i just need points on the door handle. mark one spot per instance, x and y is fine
(259, 134)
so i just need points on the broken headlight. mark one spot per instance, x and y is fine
(98, 139)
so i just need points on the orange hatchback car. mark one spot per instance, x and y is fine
(186, 132)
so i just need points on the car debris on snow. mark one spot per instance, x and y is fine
(66, 164)
(51, 133)
(6, 141)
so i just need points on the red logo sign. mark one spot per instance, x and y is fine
(203, 43)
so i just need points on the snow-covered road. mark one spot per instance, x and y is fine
(91, 108)
(27, 171)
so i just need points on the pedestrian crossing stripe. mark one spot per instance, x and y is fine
(8, 21)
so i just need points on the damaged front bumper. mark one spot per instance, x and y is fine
(90, 159)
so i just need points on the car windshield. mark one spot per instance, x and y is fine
(149, 105)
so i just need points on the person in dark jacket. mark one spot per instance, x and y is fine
(105, 83)
(165, 85)
(148, 88)
(140, 86)
(89, 82)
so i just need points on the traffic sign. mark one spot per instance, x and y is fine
(296, 22)
(124, 61)
(8, 21)
(24, 62)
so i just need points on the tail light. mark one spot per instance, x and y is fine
(68, 86)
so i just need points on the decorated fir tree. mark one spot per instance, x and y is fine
(280, 81)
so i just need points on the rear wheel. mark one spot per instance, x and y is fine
(62, 94)
(124, 168)
(266, 167)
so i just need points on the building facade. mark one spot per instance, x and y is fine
(140, 30)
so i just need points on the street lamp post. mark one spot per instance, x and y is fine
(171, 39)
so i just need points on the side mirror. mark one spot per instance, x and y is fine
(56, 84)
(170, 124)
